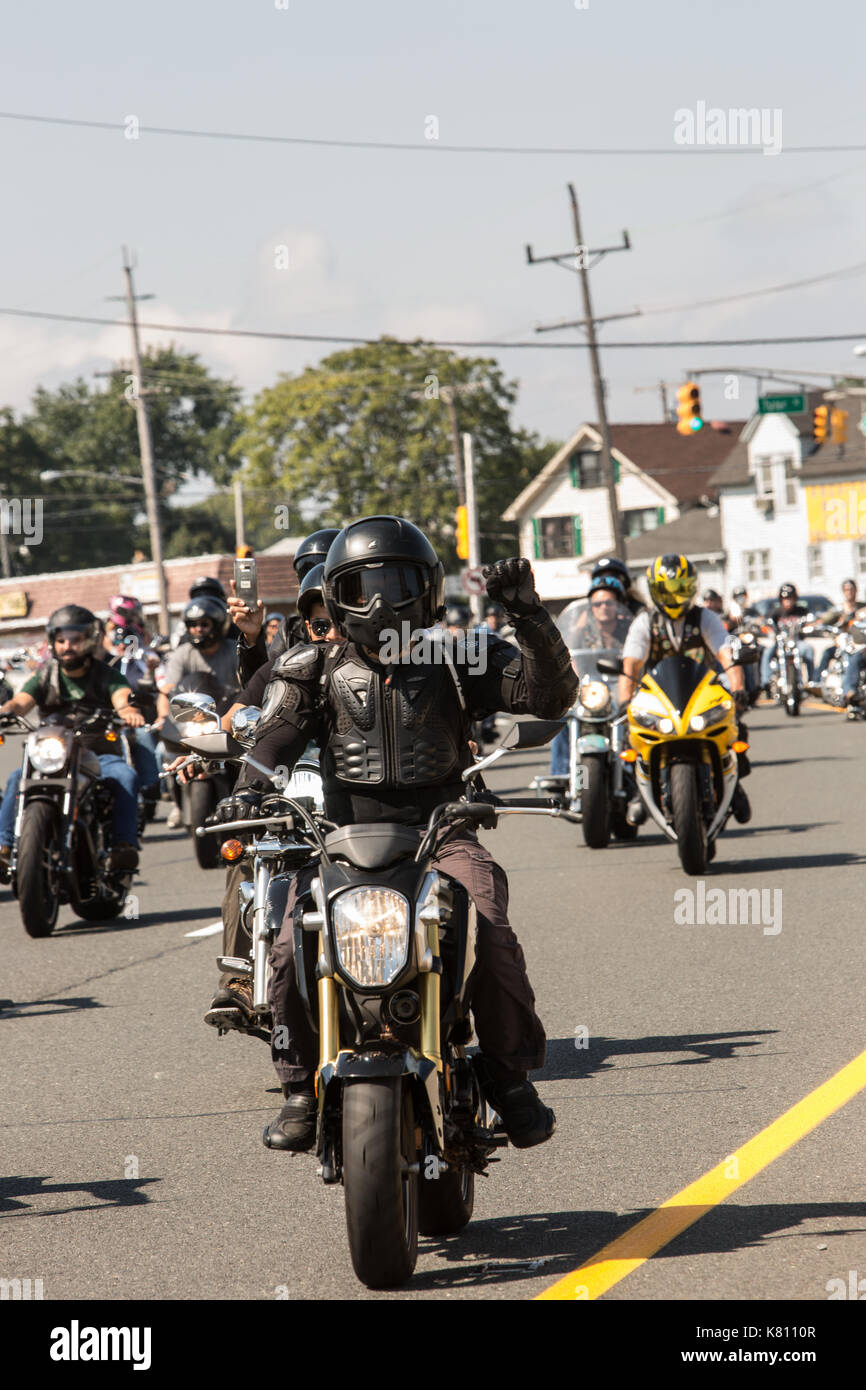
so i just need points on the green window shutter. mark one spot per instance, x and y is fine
(615, 463)
(574, 469)
(578, 536)
(536, 540)
(660, 513)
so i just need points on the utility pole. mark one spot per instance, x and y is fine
(589, 323)
(4, 544)
(145, 445)
(472, 518)
(240, 537)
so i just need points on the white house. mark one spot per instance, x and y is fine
(563, 513)
(791, 511)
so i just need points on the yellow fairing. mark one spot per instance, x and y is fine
(653, 719)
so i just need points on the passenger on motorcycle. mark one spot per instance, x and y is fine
(231, 1006)
(125, 648)
(394, 741)
(843, 617)
(74, 676)
(677, 626)
(790, 611)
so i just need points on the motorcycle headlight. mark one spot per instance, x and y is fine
(648, 712)
(594, 696)
(697, 723)
(46, 753)
(371, 934)
(666, 726)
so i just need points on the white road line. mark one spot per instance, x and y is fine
(210, 930)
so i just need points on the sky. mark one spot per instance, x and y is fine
(427, 242)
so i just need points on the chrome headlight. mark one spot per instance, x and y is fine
(47, 753)
(595, 696)
(371, 934)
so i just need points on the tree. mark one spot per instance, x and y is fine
(88, 436)
(368, 430)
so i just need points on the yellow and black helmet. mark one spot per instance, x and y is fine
(673, 583)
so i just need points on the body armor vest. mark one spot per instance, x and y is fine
(691, 642)
(400, 730)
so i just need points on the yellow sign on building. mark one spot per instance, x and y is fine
(836, 512)
(13, 603)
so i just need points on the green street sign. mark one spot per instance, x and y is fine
(781, 405)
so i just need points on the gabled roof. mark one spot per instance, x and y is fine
(681, 466)
(697, 534)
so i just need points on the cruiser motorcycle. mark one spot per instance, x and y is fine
(63, 822)
(384, 954)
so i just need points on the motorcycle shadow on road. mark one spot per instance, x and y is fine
(547, 1245)
(780, 863)
(13, 1008)
(567, 1061)
(145, 919)
(109, 1192)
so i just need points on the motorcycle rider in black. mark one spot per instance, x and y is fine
(394, 741)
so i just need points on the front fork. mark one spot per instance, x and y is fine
(261, 935)
(573, 763)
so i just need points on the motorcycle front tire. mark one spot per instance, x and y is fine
(595, 803)
(38, 897)
(380, 1178)
(202, 803)
(688, 817)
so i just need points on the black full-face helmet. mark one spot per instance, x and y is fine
(73, 618)
(313, 550)
(310, 592)
(207, 586)
(382, 572)
(218, 617)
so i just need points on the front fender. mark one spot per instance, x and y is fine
(363, 1066)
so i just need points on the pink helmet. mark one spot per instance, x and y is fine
(126, 612)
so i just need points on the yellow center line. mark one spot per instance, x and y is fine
(630, 1250)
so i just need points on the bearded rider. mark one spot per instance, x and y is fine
(394, 742)
(74, 677)
(676, 626)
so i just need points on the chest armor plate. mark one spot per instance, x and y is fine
(403, 731)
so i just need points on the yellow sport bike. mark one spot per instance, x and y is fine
(683, 748)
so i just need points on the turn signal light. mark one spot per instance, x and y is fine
(111, 737)
(739, 746)
(629, 756)
(232, 850)
(2, 739)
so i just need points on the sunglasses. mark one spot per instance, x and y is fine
(603, 603)
(320, 627)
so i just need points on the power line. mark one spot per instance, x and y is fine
(387, 341)
(413, 147)
(857, 269)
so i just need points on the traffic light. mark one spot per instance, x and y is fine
(244, 552)
(689, 408)
(820, 418)
(463, 533)
(839, 426)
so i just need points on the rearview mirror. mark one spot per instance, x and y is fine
(532, 733)
(244, 723)
(190, 705)
(610, 667)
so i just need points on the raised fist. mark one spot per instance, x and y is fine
(511, 583)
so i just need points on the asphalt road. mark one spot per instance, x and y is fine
(131, 1134)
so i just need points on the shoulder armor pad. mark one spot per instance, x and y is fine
(299, 663)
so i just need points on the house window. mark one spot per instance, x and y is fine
(642, 519)
(557, 537)
(860, 558)
(764, 478)
(756, 565)
(815, 561)
(586, 471)
(790, 484)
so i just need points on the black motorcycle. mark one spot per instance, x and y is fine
(63, 822)
(198, 799)
(384, 955)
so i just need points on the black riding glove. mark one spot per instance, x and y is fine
(511, 583)
(241, 806)
(741, 700)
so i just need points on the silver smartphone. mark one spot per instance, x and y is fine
(246, 582)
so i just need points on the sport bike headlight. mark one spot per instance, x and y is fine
(594, 696)
(697, 723)
(371, 934)
(46, 754)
